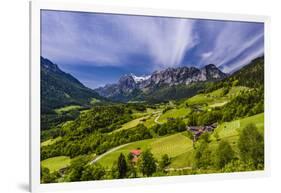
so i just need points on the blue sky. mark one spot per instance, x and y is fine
(99, 48)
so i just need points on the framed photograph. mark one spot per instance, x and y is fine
(126, 96)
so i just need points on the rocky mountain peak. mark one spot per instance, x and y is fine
(127, 83)
(211, 66)
(213, 72)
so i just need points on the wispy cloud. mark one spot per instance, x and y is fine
(166, 40)
(240, 62)
(231, 42)
(111, 40)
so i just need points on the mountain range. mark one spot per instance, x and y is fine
(133, 87)
(59, 88)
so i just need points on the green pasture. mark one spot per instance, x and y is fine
(50, 141)
(232, 128)
(132, 123)
(94, 101)
(216, 98)
(67, 108)
(56, 163)
(174, 113)
(172, 145)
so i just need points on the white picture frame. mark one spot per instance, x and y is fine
(36, 6)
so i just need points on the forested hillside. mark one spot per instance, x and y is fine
(60, 89)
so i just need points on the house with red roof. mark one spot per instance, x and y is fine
(135, 153)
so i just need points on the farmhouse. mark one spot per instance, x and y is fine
(135, 153)
(199, 130)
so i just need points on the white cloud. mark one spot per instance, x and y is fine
(206, 55)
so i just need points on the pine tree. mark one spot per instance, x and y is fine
(122, 166)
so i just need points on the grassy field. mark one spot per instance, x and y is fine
(174, 113)
(218, 104)
(234, 91)
(150, 121)
(205, 101)
(216, 98)
(67, 108)
(138, 114)
(56, 163)
(232, 128)
(94, 101)
(147, 118)
(173, 145)
(183, 160)
(50, 141)
(132, 123)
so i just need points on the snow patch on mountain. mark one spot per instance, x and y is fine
(140, 78)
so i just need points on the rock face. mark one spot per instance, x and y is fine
(168, 77)
(212, 72)
(127, 84)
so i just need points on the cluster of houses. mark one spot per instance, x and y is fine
(199, 130)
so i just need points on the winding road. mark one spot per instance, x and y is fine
(109, 151)
(159, 113)
(158, 116)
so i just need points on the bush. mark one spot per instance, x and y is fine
(92, 172)
(165, 161)
(202, 155)
(238, 166)
(147, 163)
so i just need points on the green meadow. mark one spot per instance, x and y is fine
(56, 163)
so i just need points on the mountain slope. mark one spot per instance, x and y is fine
(60, 89)
(251, 75)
